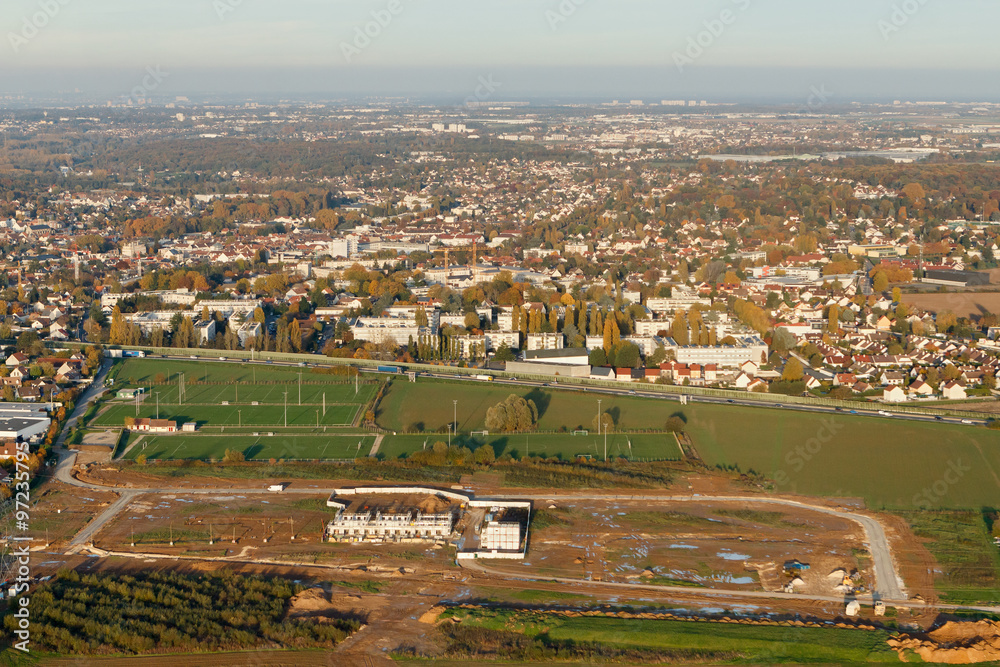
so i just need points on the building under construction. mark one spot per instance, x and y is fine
(392, 518)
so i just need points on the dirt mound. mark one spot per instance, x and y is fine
(308, 602)
(954, 643)
(433, 505)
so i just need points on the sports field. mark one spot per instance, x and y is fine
(892, 463)
(260, 447)
(232, 415)
(564, 446)
(231, 394)
(429, 403)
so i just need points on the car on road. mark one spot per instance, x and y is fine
(854, 412)
(939, 418)
(302, 364)
(194, 356)
(884, 413)
(967, 421)
(730, 401)
(632, 393)
(222, 358)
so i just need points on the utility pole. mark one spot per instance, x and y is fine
(600, 419)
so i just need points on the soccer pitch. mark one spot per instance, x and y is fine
(261, 447)
(214, 394)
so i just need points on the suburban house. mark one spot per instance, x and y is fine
(953, 391)
(921, 388)
(894, 394)
(16, 359)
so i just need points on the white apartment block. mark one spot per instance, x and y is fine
(495, 339)
(205, 330)
(545, 341)
(676, 302)
(248, 331)
(750, 348)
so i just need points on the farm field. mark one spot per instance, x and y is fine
(658, 446)
(963, 304)
(890, 463)
(258, 448)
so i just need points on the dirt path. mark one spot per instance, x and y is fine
(129, 448)
(378, 443)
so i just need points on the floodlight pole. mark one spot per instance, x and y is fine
(449, 435)
(240, 417)
(455, 404)
(300, 387)
(286, 409)
(157, 405)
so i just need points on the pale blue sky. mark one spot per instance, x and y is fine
(191, 35)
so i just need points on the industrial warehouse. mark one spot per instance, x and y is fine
(478, 528)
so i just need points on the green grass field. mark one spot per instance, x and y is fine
(961, 543)
(144, 371)
(430, 403)
(892, 463)
(210, 385)
(232, 415)
(746, 644)
(559, 445)
(257, 448)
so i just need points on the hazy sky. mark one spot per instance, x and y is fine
(101, 43)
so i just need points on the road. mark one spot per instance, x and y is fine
(887, 580)
(714, 593)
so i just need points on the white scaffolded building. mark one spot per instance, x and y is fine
(378, 527)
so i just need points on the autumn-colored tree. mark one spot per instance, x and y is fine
(611, 335)
(793, 371)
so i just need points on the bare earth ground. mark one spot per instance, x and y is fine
(963, 304)
(393, 589)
